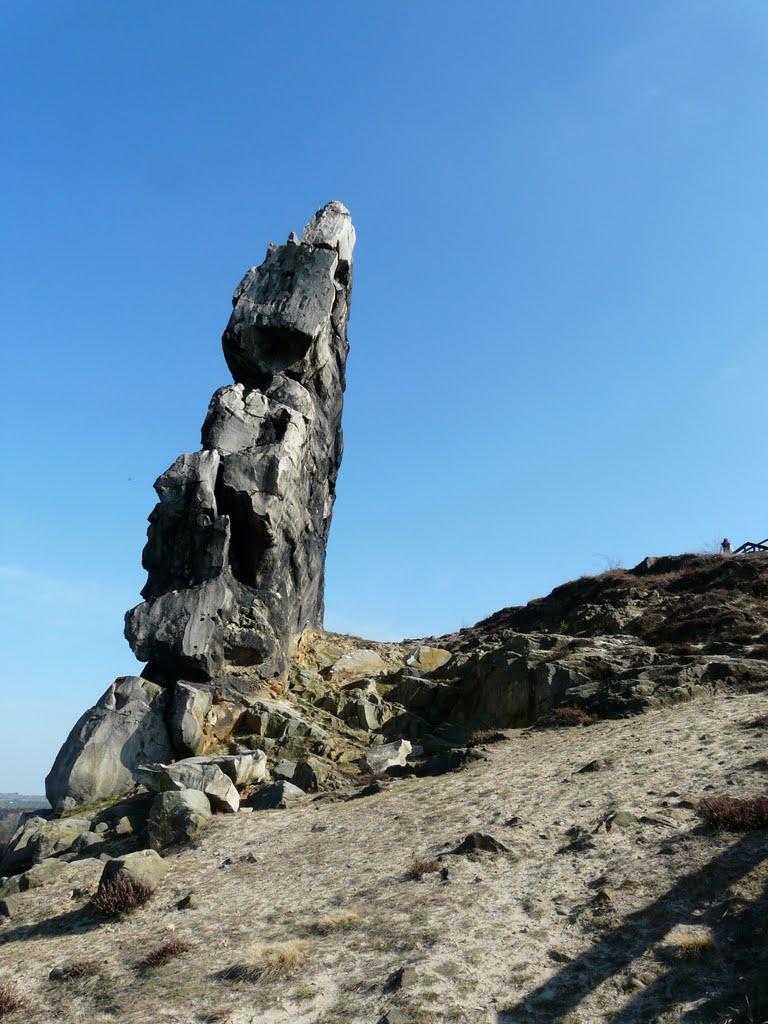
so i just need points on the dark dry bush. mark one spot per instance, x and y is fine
(600, 669)
(561, 650)
(480, 736)
(120, 895)
(368, 778)
(75, 969)
(10, 998)
(421, 866)
(567, 716)
(170, 949)
(729, 814)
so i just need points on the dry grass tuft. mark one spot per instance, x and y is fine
(75, 969)
(567, 717)
(335, 921)
(11, 999)
(729, 814)
(120, 896)
(269, 961)
(692, 944)
(421, 866)
(168, 951)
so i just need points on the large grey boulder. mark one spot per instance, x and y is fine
(236, 545)
(191, 773)
(177, 817)
(124, 729)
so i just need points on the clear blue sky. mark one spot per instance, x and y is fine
(559, 318)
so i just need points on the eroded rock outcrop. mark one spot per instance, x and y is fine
(236, 544)
(235, 551)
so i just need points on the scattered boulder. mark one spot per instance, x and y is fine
(192, 773)
(19, 852)
(242, 769)
(278, 795)
(177, 817)
(124, 729)
(285, 771)
(145, 866)
(9, 905)
(386, 755)
(480, 841)
(311, 774)
(357, 665)
(428, 658)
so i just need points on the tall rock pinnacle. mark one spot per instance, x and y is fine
(235, 551)
(236, 545)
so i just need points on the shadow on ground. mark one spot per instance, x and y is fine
(69, 923)
(732, 987)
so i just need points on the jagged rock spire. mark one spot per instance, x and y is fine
(236, 544)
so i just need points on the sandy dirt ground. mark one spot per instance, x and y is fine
(578, 921)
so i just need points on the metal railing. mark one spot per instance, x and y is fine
(752, 545)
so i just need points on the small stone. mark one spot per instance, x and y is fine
(476, 841)
(403, 977)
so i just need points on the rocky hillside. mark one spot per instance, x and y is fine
(565, 875)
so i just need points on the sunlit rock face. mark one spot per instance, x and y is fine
(236, 545)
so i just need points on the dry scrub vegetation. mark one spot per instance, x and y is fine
(120, 895)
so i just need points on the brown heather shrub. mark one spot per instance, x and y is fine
(481, 736)
(168, 951)
(75, 969)
(567, 716)
(268, 961)
(11, 999)
(120, 895)
(421, 866)
(729, 814)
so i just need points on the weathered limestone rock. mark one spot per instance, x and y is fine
(235, 553)
(191, 773)
(177, 817)
(123, 730)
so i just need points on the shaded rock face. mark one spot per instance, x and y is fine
(125, 728)
(236, 545)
